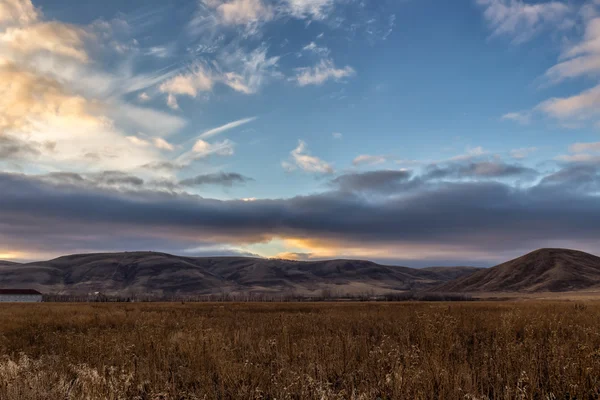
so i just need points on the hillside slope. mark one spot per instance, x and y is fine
(159, 273)
(544, 270)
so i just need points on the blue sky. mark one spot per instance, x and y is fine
(260, 106)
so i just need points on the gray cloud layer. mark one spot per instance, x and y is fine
(474, 215)
(223, 179)
(481, 169)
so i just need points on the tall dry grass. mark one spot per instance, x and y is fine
(471, 351)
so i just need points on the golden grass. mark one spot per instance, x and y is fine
(525, 350)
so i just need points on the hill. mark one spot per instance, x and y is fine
(544, 270)
(451, 273)
(3, 262)
(151, 273)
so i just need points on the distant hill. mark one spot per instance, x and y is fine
(3, 262)
(544, 270)
(151, 273)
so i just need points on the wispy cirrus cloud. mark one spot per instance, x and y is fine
(247, 71)
(579, 58)
(316, 9)
(320, 73)
(521, 20)
(576, 108)
(223, 128)
(241, 70)
(203, 149)
(251, 14)
(314, 48)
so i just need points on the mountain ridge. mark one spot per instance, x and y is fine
(156, 273)
(159, 273)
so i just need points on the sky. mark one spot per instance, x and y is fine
(405, 132)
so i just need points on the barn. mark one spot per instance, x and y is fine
(20, 296)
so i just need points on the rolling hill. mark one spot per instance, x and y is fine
(151, 273)
(544, 270)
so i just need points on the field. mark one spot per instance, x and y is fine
(477, 350)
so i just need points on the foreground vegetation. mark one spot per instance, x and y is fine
(527, 350)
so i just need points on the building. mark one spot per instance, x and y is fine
(20, 296)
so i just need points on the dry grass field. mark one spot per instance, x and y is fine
(482, 350)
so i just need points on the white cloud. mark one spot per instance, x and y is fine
(581, 59)
(522, 20)
(470, 153)
(588, 64)
(162, 144)
(337, 135)
(589, 10)
(582, 153)
(301, 158)
(90, 80)
(580, 158)
(523, 117)
(241, 12)
(519, 154)
(322, 72)
(579, 107)
(251, 14)
(243, 71)
(18, 12)
(367, 159)
(145, 119)
(138, 141)
(143, 97)
(159, 143)
(172, 102)
(231, 125)
(40, 110)
(203, 149)
(585, 147)
(54, 37)
(188, 84)
(59, 105)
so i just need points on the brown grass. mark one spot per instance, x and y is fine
(526, 350)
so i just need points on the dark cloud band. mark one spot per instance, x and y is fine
(489, 216)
